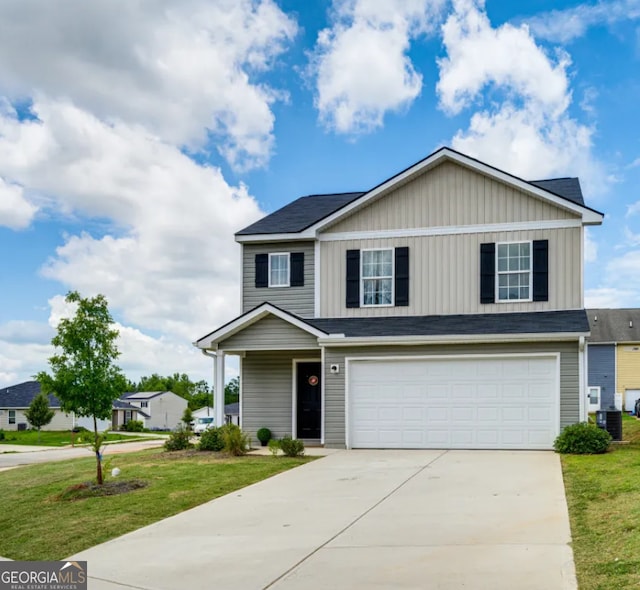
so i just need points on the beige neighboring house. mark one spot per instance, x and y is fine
(442, 308)
(157, 410)
(14, 400)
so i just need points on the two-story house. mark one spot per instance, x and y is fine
(441, 309)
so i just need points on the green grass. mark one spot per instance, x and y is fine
(603, 494)
(35, 524)
(52, 438)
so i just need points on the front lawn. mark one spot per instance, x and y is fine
(53, 438)
(35, 524)
(603, 494)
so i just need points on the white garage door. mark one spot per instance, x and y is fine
(465, 403)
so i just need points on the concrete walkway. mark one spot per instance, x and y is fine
(363, 519)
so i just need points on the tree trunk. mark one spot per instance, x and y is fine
(98, 458)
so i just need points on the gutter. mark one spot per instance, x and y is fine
(341, 340)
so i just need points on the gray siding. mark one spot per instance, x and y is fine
(335, 384)
(601, 359)
(270, 333)
(297, 300)
(444, 273)
(267, 381)
(450, 194)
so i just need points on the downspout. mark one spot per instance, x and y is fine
(583, 410)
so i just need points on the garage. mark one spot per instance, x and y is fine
(465, 402)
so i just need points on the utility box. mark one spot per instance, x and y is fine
(22, 425)
(611, 421)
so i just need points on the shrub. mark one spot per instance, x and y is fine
(211, 440)
(178, 440)
(78, 429)
(291, 447)
(1, 434)
(133, 426)
(582, 439)
(236, 442)
(264, 435)
(274, 447)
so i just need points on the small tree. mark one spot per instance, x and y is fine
(84, 376)
(39, 413)
(187, 418)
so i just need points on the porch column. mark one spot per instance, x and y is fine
(219, 389)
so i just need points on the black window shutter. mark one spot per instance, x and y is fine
(487, 273)
(262, 270)
(353, 278)
(297, 269)
(402, 276)
(541, 270)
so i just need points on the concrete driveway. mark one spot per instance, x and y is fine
(363, 519)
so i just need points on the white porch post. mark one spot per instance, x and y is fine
(219, 389)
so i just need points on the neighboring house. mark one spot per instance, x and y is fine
(614, 358)
(441, 309)
(160, 410)
(14, 400)
(231, 413)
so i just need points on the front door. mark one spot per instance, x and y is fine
(309, 394)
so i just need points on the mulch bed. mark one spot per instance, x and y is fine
(90, 489)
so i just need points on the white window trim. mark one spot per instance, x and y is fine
(498, 273)
(392, 277)
(288, 255)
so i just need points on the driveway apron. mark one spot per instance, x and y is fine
(444, 520)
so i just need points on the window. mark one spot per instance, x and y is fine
(514, 271)
(144, 404)
(279, 270)
(12, 416)
(377, 277)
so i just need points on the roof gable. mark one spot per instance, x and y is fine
(300, 219)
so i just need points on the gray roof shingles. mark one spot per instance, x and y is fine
(21, 395)
(539, 322)
(614, 325)
(300, 214)
(567, 188)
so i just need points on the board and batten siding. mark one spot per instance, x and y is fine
(267, 381)
(334, 384)
(601, 359)
(450, 194)
(270, 333)
(297, 300)
(444, 274)
(628, 367)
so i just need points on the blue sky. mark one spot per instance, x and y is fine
(135, 141)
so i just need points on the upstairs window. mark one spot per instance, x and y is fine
(144, 404)
(377, 277)
(514, 271)
(279, 270)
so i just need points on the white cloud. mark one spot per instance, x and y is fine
(609, 297)
(16, 212)
(361, 65)
(170, 262)
(181, 70)
(620, 286)
(562, 26)
(526, 128)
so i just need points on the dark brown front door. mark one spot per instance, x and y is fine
(309, 400)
